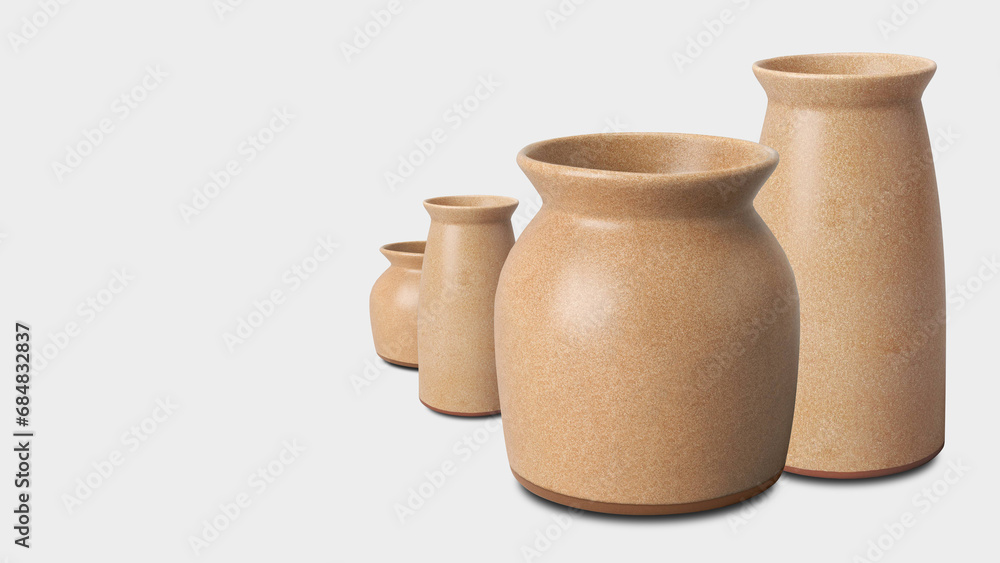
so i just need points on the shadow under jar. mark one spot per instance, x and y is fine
(647, 326)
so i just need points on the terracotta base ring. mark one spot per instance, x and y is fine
(862, 474)
(489, 413)
(396, 362)
(644, 509)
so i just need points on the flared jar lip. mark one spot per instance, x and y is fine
(413, 248)
(838, 66)
(471, 202)
(750, 156)
(470, 208)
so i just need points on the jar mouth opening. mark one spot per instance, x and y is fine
(472, 201)
(648, 154)
(843, 65)
(408, 248)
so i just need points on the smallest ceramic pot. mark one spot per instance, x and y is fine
(394, 301)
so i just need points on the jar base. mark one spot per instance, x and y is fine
(643, 509)
(452, 413)
(862, 474)
(397, 362)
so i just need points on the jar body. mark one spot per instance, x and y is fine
(854, 203)
(393, 308)
(646, 365)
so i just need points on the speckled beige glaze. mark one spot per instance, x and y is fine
(468, 242)
(647, 326)
(393, 303)
(854, 203)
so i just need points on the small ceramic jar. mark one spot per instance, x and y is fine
(393, 303)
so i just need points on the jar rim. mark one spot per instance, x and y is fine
(664, 155)
(849, 66)
(407, 248)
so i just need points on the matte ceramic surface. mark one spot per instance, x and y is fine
(468, 242)
(647, 326)
(393, 304)
(854, 203)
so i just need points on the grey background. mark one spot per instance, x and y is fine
(605, 66)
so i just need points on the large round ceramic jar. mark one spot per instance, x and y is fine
(647, 326)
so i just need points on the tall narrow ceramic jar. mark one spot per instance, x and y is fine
(647, 326)
(393, 303)
(854, 203)
(468, 242)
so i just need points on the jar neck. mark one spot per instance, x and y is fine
(652, 197)
(407, 255)
(648, 175)
(471, 209)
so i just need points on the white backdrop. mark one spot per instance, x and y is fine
(132, 269)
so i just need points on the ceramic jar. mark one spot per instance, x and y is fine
(854, 203)
(467, 244)
(646, 326)
(393, 304)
